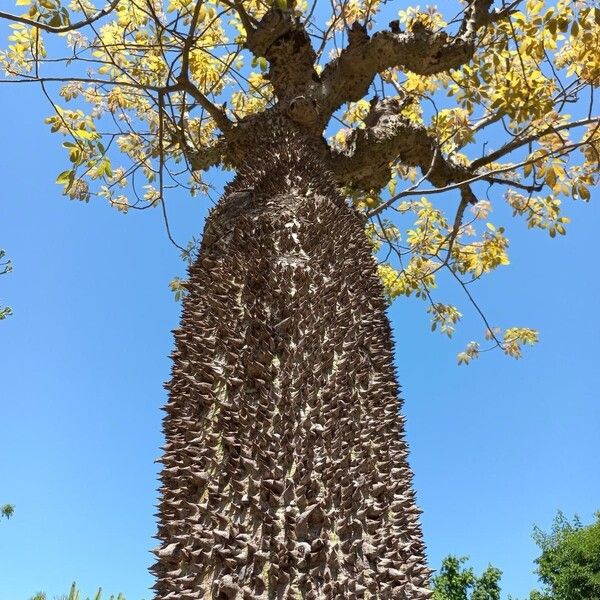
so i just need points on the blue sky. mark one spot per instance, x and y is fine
(496, 447)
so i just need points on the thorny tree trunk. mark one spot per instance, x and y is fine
(285, 472)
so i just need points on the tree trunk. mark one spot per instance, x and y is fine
(285, 471)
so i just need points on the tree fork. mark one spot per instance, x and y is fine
(285, 470)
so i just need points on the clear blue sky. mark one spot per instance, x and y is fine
(496, 447)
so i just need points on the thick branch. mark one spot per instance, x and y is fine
(348, 77)
(64, 28)
(281, 38)
(217, 113)
(275, 24)
(390, 137)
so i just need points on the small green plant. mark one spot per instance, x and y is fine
(74, 595)
(455, 581)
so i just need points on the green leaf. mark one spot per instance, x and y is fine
(65, 177)
(84, 134)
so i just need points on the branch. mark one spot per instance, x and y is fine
(348, 77)
(389, 137)
(248, 21)
(414, 191)
(520, 142)
(217, 113)
(183, 80)
(63, 28)
(522, 186)
(282, 39)
(189, 41)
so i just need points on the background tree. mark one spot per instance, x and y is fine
(74, 594)
(569, 565)
(457, 582)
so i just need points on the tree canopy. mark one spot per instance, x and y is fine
(456, 582)
(493, 105)
(569, 565)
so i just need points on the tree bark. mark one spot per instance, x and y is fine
(285, 469)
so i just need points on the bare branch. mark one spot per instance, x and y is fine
(64, 28)
(519, 142)
(516, 184)
(217, 113)
(183, 80)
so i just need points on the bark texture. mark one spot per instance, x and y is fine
(285, 469)
(309, 98)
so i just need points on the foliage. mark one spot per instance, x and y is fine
(457, 582)
(74, 595)
(569, 565)
(146, 82)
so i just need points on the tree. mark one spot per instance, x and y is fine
(74, 595)
(569, 565)
(285, 471)
(455, 582)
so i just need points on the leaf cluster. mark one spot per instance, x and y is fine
(155, 87)
(74, 594)
(458, 582)
(569, 565)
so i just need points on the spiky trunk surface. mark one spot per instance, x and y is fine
(285, 472)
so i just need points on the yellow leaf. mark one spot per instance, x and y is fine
(551, 177)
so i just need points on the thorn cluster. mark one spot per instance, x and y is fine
(285, 469)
